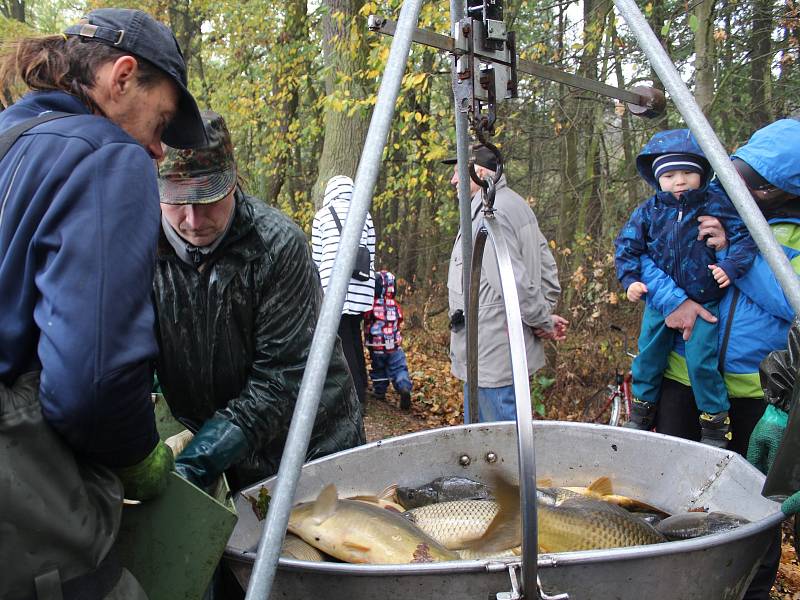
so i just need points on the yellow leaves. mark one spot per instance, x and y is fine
(415, 81)
(435, 153)
(369, 8)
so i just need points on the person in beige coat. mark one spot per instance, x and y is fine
(537, 287)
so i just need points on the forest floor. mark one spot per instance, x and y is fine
(584, 363)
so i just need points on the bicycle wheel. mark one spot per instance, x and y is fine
(598, 407)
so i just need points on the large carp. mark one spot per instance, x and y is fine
(573, 523)
(359, 532)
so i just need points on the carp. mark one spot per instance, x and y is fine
(360, 532)
(443, 489)
(454, 523)
(294, 547)
(695, 524)
(571, 523)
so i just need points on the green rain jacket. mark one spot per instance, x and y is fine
(234, 338)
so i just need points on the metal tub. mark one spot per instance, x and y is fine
(673, 474)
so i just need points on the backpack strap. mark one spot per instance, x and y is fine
(723, 348)
(9, 137)
(336, 219)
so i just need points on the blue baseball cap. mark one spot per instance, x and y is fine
(137, 33)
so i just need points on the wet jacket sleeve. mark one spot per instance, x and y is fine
(533, 303)
(742, 249)
(663, 294)
(96, 318)
(630, 245)
(284, 330)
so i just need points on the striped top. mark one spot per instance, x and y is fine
(325, 242)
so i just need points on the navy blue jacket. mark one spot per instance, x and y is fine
(79, 223)
(665, 228)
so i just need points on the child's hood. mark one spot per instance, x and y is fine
(385, 285)
(672, 141)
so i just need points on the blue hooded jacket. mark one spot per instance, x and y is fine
(79, 223)
(665, 228)
(757, 311)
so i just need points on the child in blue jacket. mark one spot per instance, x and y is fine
(665, 228)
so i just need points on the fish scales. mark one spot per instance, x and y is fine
(580, 526)
(294, 547)
(452, 524)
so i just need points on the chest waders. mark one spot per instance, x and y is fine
(59, 517)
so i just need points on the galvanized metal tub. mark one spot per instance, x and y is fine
(672, 474)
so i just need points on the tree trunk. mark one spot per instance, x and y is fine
(345, 53)
(760, 46)
(13, 9)
(705, 54)
(287, 86)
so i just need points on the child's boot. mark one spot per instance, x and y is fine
(405, 399)
(715, 429)
(643, 414)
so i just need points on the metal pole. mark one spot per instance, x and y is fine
(465, 214)
(716, 154)
(322, 345)
(522, 394)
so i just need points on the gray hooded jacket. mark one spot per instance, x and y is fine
(537, 286)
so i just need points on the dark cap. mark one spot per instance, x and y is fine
(199, 175)
(140, 34)
(481, 154)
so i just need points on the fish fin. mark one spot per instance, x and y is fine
(601, 486)
(389, 493)
(505, 530)
(325, 504)
(370, 499)
(355, 546)
(379, 502)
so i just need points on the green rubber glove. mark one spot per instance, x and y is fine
(791, 505)
(219, 444)
(766, 438)
(148, 478)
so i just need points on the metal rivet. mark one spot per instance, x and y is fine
(491, 457)
(464, 460)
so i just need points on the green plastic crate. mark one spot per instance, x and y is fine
(172, 544)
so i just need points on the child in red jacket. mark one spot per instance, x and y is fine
(382, 337)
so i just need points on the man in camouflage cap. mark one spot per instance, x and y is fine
(237, 299)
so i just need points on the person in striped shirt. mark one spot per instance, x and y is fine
(325, 236)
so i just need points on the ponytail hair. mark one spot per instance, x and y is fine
(65, 63)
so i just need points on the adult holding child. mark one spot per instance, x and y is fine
(664, 228)
(754, 319)
(754, 315)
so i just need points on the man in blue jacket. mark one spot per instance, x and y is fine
(79, 222)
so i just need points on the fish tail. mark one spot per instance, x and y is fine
(505, 530)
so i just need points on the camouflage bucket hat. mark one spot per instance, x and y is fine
(199, 175)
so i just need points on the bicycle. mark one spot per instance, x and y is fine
(612, 404)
